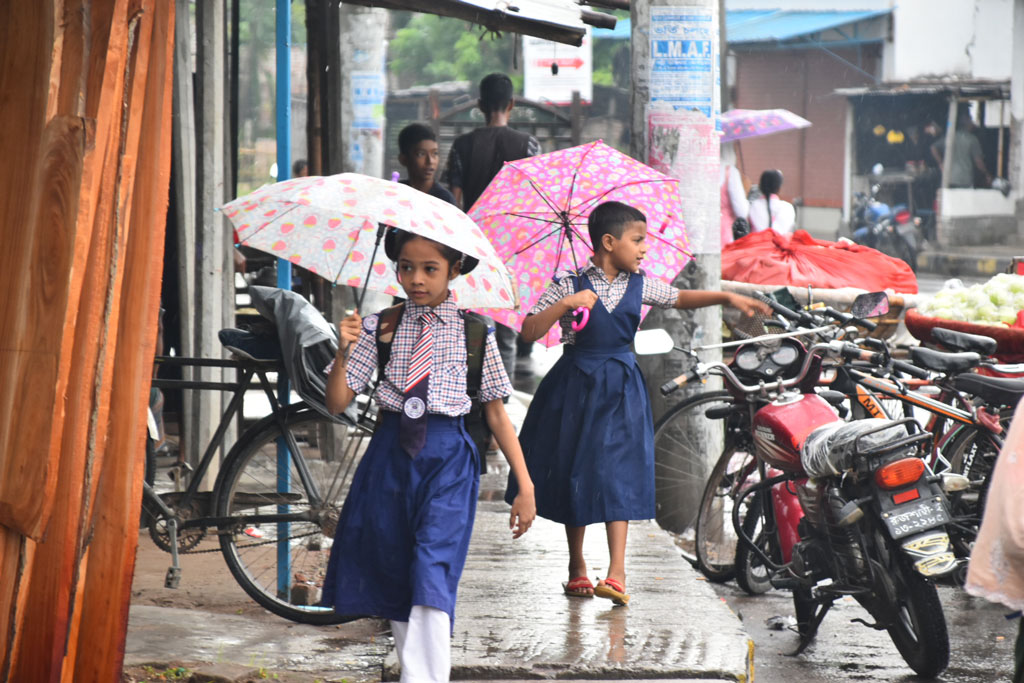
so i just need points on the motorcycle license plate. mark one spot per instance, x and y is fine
(915, 517)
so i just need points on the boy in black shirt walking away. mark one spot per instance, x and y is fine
(475, 159)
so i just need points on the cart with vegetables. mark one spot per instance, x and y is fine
(993, 309)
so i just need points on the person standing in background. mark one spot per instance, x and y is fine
(733, 198)
(475, 158)
(781, 217)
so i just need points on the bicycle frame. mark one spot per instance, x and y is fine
(939, 407)
(249, 369)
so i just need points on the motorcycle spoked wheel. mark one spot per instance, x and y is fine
(751, 573)
(909, 606)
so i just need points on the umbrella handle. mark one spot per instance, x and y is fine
(584, 314)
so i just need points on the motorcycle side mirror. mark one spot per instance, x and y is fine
(652, 342)
(870, 305)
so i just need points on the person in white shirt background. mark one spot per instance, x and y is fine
(782, 217)
(733, 197)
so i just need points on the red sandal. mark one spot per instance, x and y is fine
(578, 587)
(613, 590)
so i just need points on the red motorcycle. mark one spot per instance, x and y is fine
(834, 508)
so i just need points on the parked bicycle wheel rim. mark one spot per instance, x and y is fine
(282, 565)
(716, 538)
(681, 462)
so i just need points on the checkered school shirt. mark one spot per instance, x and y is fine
(447, 391)
(655, 293)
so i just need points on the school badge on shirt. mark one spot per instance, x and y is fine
(414, 407)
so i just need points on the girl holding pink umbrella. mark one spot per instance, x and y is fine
(588, 437)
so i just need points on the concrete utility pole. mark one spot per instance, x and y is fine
(675, 63)
(358, 138)
(214, 271)
(1016, 162)
(363, 35)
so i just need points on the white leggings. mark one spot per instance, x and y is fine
(424, 645)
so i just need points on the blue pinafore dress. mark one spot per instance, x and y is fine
(588, 437)
(404, 530)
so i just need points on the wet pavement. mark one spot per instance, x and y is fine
(981, 641)
(512, 620)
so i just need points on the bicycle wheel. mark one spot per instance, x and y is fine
(973, 453)
(282, 565)
(681, 462)
(716, 538)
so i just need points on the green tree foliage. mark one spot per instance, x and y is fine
(428, 49)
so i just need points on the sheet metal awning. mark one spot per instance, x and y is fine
(774, 26)
(743, 27)
(990, 90)
(562, 21)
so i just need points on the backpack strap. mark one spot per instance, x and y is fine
(477, 328)
(387, 323)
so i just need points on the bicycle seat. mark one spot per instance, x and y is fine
(946, 363)
(962, 341)
(1005, 391)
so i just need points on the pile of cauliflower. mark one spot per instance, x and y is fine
(995, 302)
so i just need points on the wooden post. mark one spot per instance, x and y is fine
(658, 101)
(213, 236)
(184, 170)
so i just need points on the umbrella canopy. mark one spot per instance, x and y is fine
(748, 123)
(535, 213)
(330, 226)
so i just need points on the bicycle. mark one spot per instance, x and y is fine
(276, 499)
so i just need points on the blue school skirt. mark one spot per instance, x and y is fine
(404, 530)
(588, 440)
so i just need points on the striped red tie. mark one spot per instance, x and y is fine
(413, 425)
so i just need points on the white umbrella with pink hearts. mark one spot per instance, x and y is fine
(331, 225)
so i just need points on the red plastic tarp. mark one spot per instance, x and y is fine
(768, 258)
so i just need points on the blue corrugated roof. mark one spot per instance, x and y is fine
(766, 26)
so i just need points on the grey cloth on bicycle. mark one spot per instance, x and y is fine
(829, 450)
(308, 342)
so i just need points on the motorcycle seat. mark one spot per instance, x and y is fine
(962, 341)
(829, 450)
(945, 363)
(1005, 391)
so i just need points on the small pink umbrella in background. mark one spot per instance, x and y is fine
(738, 124)
(535, 213)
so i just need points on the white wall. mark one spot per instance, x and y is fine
(971, 40)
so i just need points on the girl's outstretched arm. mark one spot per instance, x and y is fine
(339, 394)
(524, 507)
(536, 326)
(698, 298)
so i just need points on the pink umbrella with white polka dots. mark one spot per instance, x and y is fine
(329, 225)
(535, 213)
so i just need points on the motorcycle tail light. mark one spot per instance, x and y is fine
(899, 473)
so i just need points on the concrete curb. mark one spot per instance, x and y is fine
(963, 264)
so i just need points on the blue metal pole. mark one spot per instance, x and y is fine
(284, 271)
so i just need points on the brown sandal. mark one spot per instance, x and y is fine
(613, 590)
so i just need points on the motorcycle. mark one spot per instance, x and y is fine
(842, 508)
(891, 230)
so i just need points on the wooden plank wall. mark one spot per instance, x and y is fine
(85, 129)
